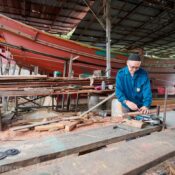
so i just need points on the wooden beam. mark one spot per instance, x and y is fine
(54, 147)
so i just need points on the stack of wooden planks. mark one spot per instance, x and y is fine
(41, 85)
(42, 81)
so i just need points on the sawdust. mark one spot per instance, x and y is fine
(39, 116)
(9, 135)
(165, 168)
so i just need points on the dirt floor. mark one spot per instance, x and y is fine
(9, 135)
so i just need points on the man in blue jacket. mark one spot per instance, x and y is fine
(133, 88)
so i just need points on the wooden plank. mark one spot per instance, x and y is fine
(160, 101)
(71, 126)
(50, 92)
(128, 158)
(47, 148)
(21, 77)
(45, 122)
(85, 123)
(53, 126)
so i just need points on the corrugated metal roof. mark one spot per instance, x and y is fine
(54, 16)
(147, 24)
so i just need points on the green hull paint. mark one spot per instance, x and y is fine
(113, 55)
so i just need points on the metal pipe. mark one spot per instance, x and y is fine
(108, 40)
(103, 101)
(158, 110)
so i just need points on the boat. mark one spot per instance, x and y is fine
(31, 47)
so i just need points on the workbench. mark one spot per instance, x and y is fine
(55, 146)
(32, 88)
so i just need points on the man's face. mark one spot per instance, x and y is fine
(133, 66)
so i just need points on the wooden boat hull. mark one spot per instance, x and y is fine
(31, 47)
(26, 37)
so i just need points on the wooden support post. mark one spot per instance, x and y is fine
(14, 69)
(7, 67)
(65, 69)
(19, 72)
(70, 67)
(70, 73)
(57, 102)
(64, 75)
(77, 100)
(52, 102)
(62, 103)
(4, 103)
(36, 70)
(158, 110)
(68, 101)
(31, 71)
(16, 106)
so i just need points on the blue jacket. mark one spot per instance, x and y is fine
(136, 89)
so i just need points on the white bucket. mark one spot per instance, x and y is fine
(93, 100)
(116, 108)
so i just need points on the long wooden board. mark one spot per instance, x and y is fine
(47, 148)
(128, 158)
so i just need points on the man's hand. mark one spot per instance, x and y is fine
(144, 110)
(131, 105)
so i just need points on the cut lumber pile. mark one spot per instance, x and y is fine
(51, 127)
(51, 91)
(66, 123)
(50, 81)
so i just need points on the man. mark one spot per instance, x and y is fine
(133, 86)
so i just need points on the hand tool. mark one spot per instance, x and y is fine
(9, 152)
